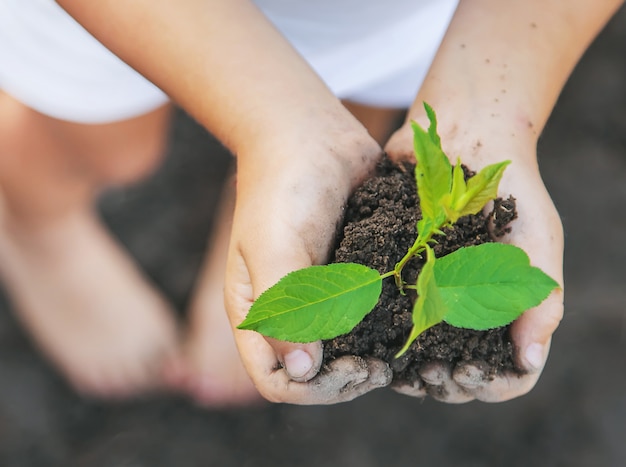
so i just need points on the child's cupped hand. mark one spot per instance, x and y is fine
(288, 209)
(538, 231)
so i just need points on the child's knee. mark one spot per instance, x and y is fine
(124, 152)
(14, 123)
(130, 161)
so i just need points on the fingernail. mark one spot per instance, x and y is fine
(298, 363)
(534, 356)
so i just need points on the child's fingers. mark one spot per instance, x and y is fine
(342, 380)
(300, 361)
(499, 389)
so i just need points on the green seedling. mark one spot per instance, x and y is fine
(477, 287)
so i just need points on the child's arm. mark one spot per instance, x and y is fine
(493, 84)
(299, 154)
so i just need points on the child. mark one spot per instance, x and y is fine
(265, 80)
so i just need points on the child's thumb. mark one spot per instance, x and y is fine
(300, 361)
(266, 266)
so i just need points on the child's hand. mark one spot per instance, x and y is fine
(287, 212)
(538, 231)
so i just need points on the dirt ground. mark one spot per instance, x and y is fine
(575, 417)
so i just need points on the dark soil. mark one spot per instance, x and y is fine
(379, 227)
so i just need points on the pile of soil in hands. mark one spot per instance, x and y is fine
(379, 227)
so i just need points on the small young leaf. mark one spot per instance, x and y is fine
(429, 308)
(427, 227)
(432, 129)
(489, 285)
(433, 173)
(318, 302)
(481, 188)
(459, 188)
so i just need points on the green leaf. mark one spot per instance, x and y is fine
(481, 188)
(426, 228)
(318, 302)
(489, 285)
(432, 129)
(429, 308)
(433, 173)
(459, 188)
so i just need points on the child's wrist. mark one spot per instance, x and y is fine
(344, 148)
(484, 131)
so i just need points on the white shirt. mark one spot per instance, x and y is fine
(375, 51)
(372, 51)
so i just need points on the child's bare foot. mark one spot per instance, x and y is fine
(211, 371)
(86, 305)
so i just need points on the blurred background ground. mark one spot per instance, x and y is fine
(576, 416)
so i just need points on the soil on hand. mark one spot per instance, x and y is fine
(379, 228)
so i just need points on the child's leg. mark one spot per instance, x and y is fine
(83, 300)
(208, 375)
(211, 371)
(380, 122)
